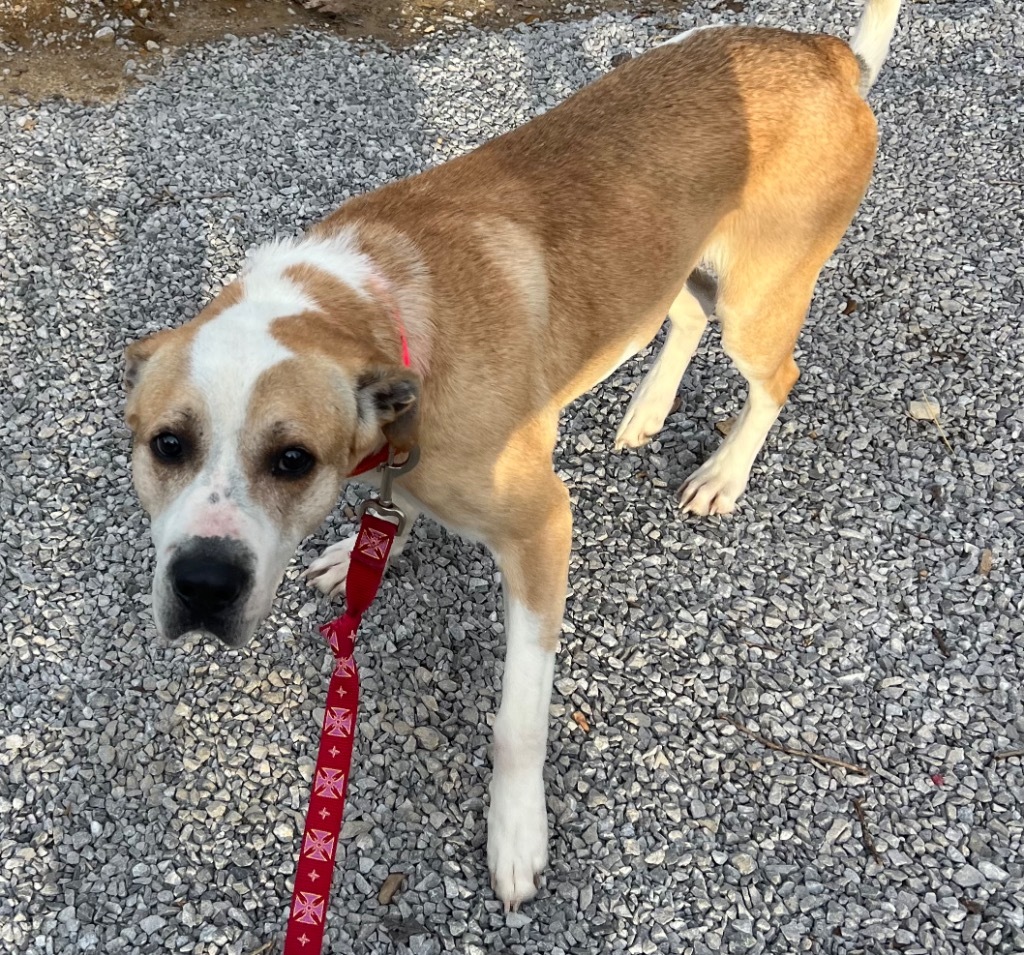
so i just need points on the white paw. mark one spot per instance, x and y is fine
(329, 571)
(517, 838)
(715, 486)
(643, 419)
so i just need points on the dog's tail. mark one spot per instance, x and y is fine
(871, 41)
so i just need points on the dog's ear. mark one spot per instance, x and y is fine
(390, 397)
(135, 357)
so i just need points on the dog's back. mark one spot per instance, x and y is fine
(743, 149)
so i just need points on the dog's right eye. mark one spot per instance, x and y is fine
(167, 447)
(293, 463)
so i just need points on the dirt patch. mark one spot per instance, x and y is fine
(90, 50)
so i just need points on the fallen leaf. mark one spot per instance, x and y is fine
(938, 779)
(401, 930)
(28, 124)
(725, 426)
(927, 409)
(581, 721)
(985, 562)
(390, 888)
(850, 307)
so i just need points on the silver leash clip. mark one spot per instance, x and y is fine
(383, 506)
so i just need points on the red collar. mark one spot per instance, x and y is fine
(371, 462)
(377, 458)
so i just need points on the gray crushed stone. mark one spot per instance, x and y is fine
(865, 603)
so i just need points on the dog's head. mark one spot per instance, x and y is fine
(246, 422)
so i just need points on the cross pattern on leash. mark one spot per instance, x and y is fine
(345, 667)
(330, 783)
(309, 908)
(373, 544)
(338, 721)
(319, 845)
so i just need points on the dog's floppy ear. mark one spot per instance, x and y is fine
(391, 398)
(135, 357)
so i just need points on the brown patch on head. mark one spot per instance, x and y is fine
(306, 403)
(161, 400)
(359, 334)
(315, 405)
(160, 364)
(350, 325)
(400, 287)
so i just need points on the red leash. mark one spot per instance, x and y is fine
(330, 781)
(381, 521)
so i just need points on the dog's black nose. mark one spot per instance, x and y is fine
(208, 585)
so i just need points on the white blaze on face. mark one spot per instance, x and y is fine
(228, 356)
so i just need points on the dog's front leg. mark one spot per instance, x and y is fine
(534, 561)
(329, 572)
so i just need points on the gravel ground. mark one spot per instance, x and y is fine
(863, 604)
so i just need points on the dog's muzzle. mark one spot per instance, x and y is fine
(211, 579)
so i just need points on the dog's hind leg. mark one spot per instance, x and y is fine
(653, 399)
(533, 554)
(760, 323)
(802, 192)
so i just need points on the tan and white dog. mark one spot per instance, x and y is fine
(522, 275)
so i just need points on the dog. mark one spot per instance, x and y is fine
(711, 175)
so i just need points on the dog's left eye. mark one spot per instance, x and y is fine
(293, 463)
(167, 446)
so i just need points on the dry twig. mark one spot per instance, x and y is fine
(865, 836)
(1009, 754)
(942, 434)
(802, 753)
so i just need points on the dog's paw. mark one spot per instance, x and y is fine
(714, 487)
(640, 423)
(329, 571)
(517, 840)
(646, 414)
